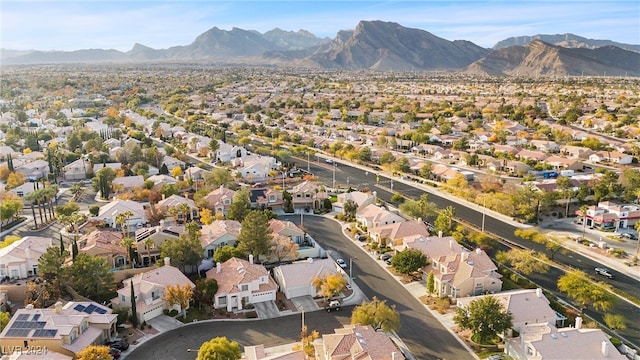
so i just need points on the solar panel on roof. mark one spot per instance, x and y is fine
(23, 317)
(90, 309)
(36, 317)
(78, 307)
(101, 311)
(17, 325)
(45, 333)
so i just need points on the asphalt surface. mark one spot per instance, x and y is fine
(183, 343)
(423, 334)
(357, 178)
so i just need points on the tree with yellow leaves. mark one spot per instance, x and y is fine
(329, 285)
(15, 179)
(206, 216)
(179, 295)
(93, 352)
(176, 171)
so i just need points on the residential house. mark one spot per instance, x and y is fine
(65, 328)
(394, 233)
(612, 157)
(76, 170)
(162, 179)
(219, 200)
(218, 234)
(466, 273)
(109, 212)
(172, 162)
(266, 199)
(24, 189)
(159, 234)
(105, 244)
(254, 172)
(527, 306)
(176, 201)
(544, 341)
(360, 198)
(34, 170)
(371, 216)
(149, 288)
(307, 247)
(560, 163)
(534, 156)
(227, 152)
(128, 183)
(545, 145)
(241, 282)
(308, 195)
(357, 342)
(576, 152)
(19, 260)
(296, 279)
(113, 166)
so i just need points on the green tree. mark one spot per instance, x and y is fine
(419, 209)
(183, 251)
(179, 295)
(615, 321)
(128, 244)
(350, 208)
(444, 221)
(219, 348)
(584, 292)
(431, 284)
(397, 198)
(524, 261)
(329, 285)
(4, 319)
(227, 252)
(255, 234)
(50, 264)
(377, 314)
(486, 317)
(134, 309)
(90, 275)
(217, 177)
(205, 291)
(240, 205)
(409, 261)
(103, 180)
(68, 209)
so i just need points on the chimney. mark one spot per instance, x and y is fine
(218, 267)
(605, 348)
(167, 261)
(539, 292)
(162, 225)
(250, 258)
(58, 306)
(29, 307)
(221, 187)
(451, 244)
(478, 251)
(163, 197)
(27, 252)
(465, 255)
(440, 233)
(578, 322)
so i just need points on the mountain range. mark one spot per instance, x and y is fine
(375, 45)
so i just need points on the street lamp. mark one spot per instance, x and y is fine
(351, 269)
(334, 176)
(484, 211)
(308, 168)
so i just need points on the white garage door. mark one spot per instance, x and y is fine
(153, 313)
(260, 297)
(297, 291)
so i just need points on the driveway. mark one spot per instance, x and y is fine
(267, 310)
(164, 323)
(305, 302)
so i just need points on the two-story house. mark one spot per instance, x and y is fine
(394, 233)
(108, 213)
(149, 251)
(308, 195)
(150, 288)
(241, 282)
(175, 201)
(65, 328)
(219, 200)
(19, 260)
(218, 234)
(360, 198)
(371, 216)
(104, 244)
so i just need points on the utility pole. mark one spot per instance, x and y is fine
(484, 211)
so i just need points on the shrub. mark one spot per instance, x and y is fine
(252, 315)
(619, 253)
(615, 341)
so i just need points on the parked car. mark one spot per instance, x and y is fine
(333, 305)
(119, 344)
(629, 236)
(115, 353)
(384, 257)
(329, 161)
(341, 263)
(361, 237)
(388, 261)
(605, 272)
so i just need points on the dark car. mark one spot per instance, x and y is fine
(361, 237)
(388, 260)
(115, 353)
(605, 272)
(119, 345)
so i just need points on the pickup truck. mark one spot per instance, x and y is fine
(333, 305)
(605, 272)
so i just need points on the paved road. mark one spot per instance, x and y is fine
(423, 334)
(357, 178)
(174, 345)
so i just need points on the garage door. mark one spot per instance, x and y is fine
(150, 314)
(297, 291)
(265, 296)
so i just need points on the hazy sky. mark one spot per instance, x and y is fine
(117, 24)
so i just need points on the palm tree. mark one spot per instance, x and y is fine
(30, 197)
(149, 243)
(76, 220)
(128, 243)
(185, 210)
(583, 211)
(122, 219)
(173, 211)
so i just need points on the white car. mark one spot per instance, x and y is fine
(341, 263)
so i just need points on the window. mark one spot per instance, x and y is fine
(123, 298)
(155, 295)
(244, 287)
(3, 270)
(222, 300)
